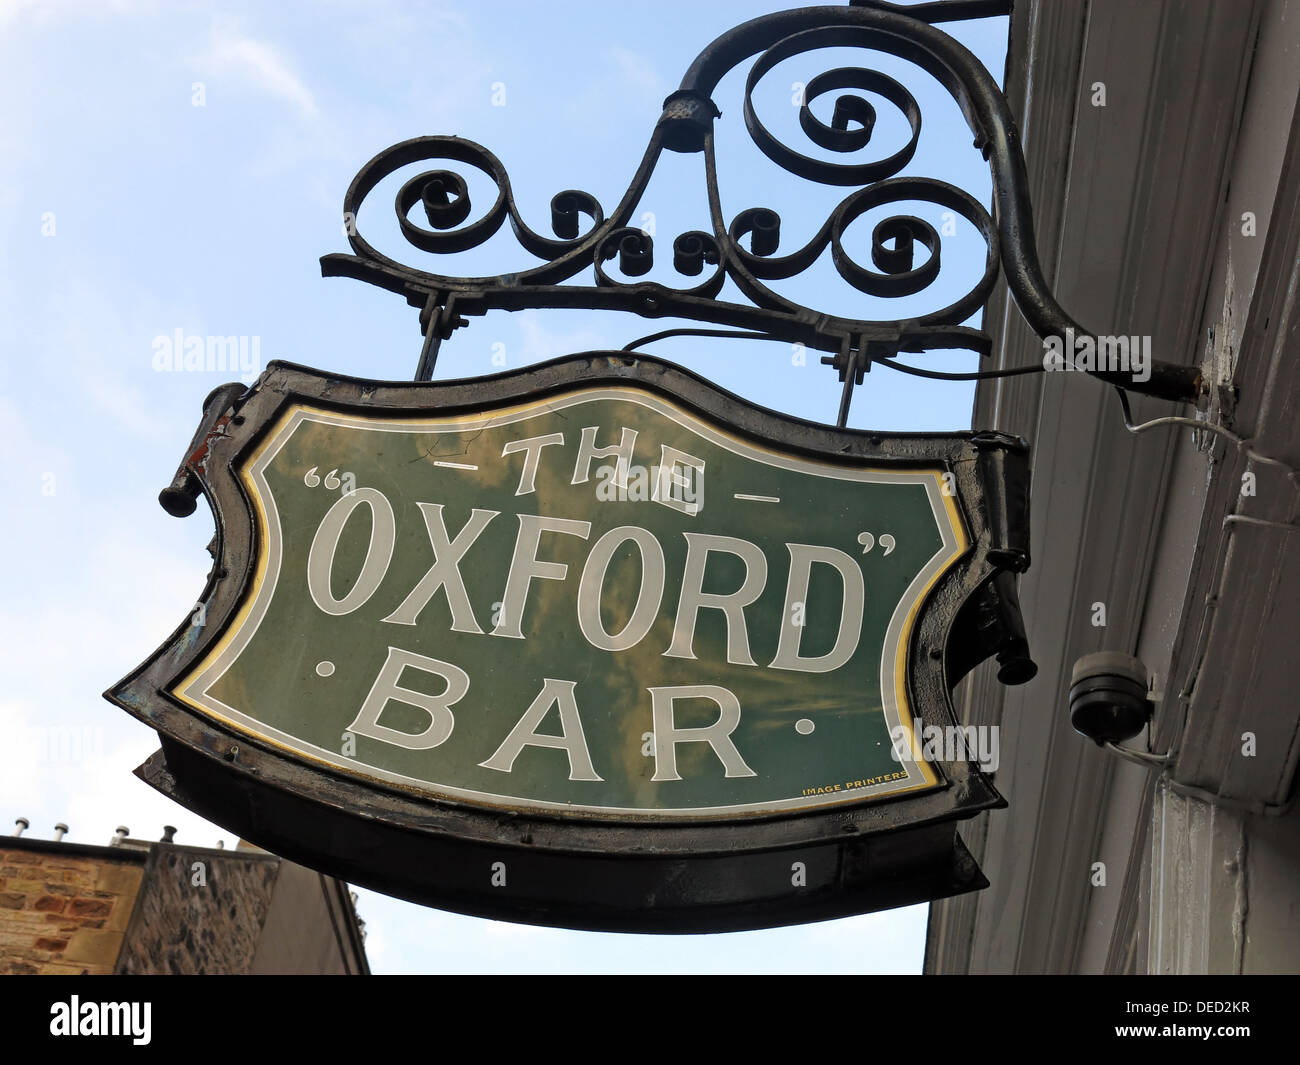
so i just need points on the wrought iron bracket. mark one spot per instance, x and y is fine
(905, 251)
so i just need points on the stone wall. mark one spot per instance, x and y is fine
(200, 911)
(63, 912)
(138, 907)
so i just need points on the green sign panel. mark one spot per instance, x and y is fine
(595, 602)
(592, 644)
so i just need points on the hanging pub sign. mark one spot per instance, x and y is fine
(593, 644)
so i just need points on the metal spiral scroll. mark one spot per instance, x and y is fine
(850, 130)
(585, 238)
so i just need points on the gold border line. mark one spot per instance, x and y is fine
(906, 717)
(905, 640)
(236, 623)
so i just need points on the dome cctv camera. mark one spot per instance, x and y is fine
(1108, 697)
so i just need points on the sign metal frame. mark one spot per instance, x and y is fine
(586, 870)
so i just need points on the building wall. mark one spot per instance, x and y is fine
(199, 911)
(1225, 831)
(160, 908)
(1100, 865)
(64, 911)
(305, 901)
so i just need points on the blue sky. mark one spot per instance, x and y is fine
(174, 166)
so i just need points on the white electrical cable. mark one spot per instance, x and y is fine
(1164, 761)
(1144, 758)
(1242, 443)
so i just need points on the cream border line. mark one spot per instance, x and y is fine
(194, 688)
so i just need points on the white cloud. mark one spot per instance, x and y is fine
(261, 65)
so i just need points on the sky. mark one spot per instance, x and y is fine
(169, 165)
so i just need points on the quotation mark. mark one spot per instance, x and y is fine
(348, 482)
(868, 542)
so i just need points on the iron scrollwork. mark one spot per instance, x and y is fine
(588, 239)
